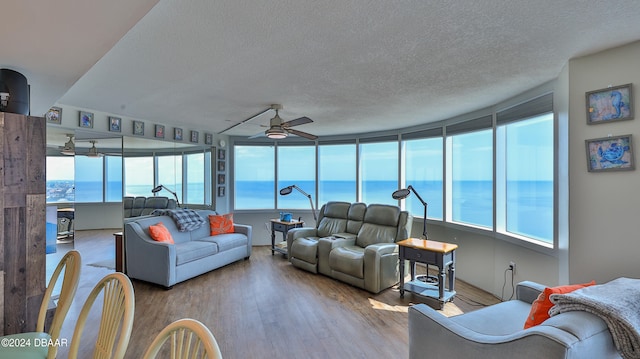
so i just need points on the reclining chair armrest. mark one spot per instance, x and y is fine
(528, 291)
(299, 232)
(448, 338)
(380, 266)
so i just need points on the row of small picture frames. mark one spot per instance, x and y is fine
(222, 171)
(611, 153)
(86, 120)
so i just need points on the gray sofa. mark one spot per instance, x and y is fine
(143, 206)
(194, 253)
(352, 242)
(497, 332)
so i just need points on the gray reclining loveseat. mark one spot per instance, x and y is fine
(354, 243)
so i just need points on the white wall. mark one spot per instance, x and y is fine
(604, 223)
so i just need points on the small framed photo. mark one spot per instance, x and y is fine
(613, 153)
(222, 154)
(177, 134)
(115, 124)
(222, 179)
(159, 131)
(221, 191)
(610, 104)
(208, 139)
(221, 166)
(54, 115)
(195, 136)
(86, 119)
(138, 128)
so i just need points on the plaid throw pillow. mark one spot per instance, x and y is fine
(186, 219)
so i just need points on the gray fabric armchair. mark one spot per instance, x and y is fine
(353, 243)
(497, 332)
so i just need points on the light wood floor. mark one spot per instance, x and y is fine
(263, 308)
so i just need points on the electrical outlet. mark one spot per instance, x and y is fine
(512, 266)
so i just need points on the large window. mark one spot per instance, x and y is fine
(113, 176)
(297, 166)
(195, 188)
(60, 181)
(378, 172)
(254, 175)
(138, 176)
(423, 170)
(89, 180)
(336, 173)
(169, 170)
(470, 190)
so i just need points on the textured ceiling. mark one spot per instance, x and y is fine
(351, 66)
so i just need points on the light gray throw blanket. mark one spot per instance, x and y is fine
(616, 302)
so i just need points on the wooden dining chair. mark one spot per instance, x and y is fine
(189, 339)
(70, 263)
(116, 322)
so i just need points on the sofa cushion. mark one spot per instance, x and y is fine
(220, 224)
(540, 307)
(227, 241)
(328, 226)
(382, 214)
(355, 217)
(305, 249)
(193, 250)
(348, 260)
(160, 233)
(374, 233)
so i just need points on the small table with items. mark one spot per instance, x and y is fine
(281, 226)
(439, 254)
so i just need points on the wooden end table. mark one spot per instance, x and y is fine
(439, 254)
(283, 227)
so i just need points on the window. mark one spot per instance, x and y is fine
(138, 176)
(337, 173)
(169, 169)
(470, 178)
(60, 181)
(423, 170)
(113, 176)
(195, 189)
(378, 172)
(297, 166)
(89, 179)
(254, 174)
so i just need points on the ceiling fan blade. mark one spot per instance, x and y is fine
(297, 122)
(257, 135)
(302, 134)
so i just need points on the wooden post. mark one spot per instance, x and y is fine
(23, 221)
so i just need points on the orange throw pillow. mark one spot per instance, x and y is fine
(540, 307)
(221, 224)
(160, 233)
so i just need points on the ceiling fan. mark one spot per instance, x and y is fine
(279, 129)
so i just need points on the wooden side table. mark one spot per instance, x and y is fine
(439, 254)
(283, 227)
(120, 253)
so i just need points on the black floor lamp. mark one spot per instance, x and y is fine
(161, 187)
(404, 193)
(287, 190)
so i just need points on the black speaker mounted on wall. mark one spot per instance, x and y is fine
(14, 92)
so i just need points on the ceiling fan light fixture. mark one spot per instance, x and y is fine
(69, 147)
(276, 133)
(93, 151)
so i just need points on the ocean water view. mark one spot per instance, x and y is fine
(529, 204)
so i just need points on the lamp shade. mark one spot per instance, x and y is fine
(401, 193)
(15, 84)
(286, 190)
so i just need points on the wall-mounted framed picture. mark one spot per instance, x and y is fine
(177, 134)
(54, 115)
(86, 119)
(115, 124)
(610, 104)
(221, 166)
(222, 154)
(221, 191)
(195, 136)
(159, 133)
(614, 153)
(222, 179)
(208, 139)
(138, 128)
